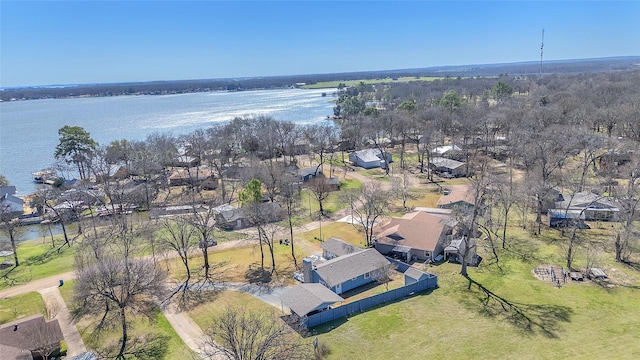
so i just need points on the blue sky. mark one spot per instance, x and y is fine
(67, 42)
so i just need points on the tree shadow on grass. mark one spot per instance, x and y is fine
(531, 319)
(524, 249)
(257, 276)
(50, 254)
(632, 264)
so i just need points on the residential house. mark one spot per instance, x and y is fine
(415, 236)
(114, 172)
(308, 173)
(30, 338)
(308, 299)
(558, 218)
(9, 203)
(326, 184)
(456, 197)
(346, 272)
(448, 166)
(370, 158)
(334, 247)
(186, 161)
(594, 207)
(443, 149)
(230, 218)
(197, 176)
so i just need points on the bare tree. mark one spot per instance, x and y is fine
(368, 205)
(289, 197)
(321, 189)
(116, 287)
(384, 274)
(178, 235)
(469, 217)
(630, 207)
(238, 334)
(113, 285)
(401, 187)
(10, 227)
(203, 222)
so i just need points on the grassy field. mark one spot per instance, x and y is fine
(330, 205)
(204, 313)
(240, 264)
(38, 259)
(334, 84)
(340, 230)
(523, 318)
(155, 325)
(21, 306)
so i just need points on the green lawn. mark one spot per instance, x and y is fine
(205, 312)
(575, 321)
(340, 230)
(21, 306)
(239, 263)
(38, 260)
(330, 205)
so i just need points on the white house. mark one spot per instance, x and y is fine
(370, 158)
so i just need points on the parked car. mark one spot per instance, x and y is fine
(208, 243)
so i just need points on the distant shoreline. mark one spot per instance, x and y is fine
(521, 69)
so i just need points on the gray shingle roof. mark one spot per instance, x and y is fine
(586, 199)
(339, 247)
(305, 298)
(445, 163)
(339, 270)
(416, 274)
(11, 190)
(22, 333)
(369, 155)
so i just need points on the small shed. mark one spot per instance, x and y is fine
(413, 275)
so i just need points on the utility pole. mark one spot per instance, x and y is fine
(541, 51)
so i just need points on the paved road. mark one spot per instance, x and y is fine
(37, 285)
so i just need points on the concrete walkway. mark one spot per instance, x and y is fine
(187, 329)
(57, 309)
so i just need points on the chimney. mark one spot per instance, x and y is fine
(307, 270)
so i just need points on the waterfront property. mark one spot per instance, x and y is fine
(9, 203)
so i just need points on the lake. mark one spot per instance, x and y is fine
(29, 129)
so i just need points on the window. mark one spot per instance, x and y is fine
(367, 275)
(427, 254)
